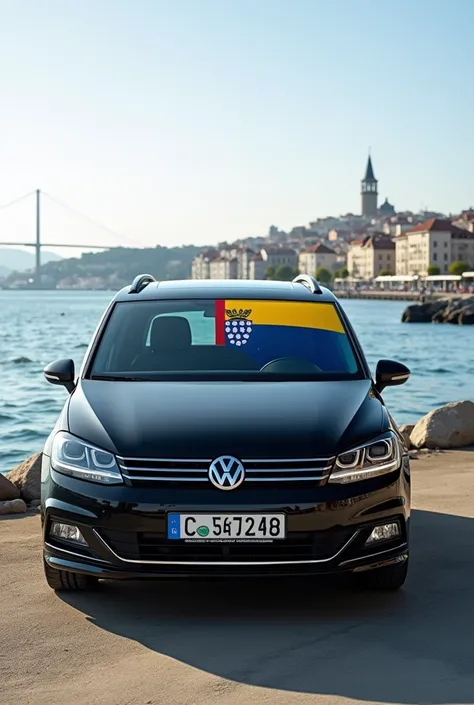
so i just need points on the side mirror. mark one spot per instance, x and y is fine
(390, 374)
(61, 372)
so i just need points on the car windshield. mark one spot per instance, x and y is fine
(218, 339)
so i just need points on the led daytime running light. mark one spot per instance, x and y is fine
(364, 465)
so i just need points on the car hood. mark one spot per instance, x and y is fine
(208, 419)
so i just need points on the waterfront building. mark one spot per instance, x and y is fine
(370, 255)
(200, 268)
(279, 256)
(316, 256)
(434, 243)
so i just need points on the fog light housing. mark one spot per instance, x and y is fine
(384, 532)
(67, 532)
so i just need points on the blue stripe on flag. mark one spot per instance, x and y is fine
(330, 351)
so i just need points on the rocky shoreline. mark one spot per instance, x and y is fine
(20, 489)
(457, 310)
(449, 427)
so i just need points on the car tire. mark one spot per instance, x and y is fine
(61, 580)
(391, 577)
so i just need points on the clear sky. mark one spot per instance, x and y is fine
(178, 121)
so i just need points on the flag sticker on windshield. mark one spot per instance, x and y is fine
(258, 331)
(237, 320)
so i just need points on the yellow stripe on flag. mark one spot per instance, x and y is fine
(287, 313)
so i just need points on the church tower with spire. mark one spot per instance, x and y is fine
(368, 191)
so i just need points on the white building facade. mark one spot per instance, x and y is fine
(434, 243)
(315, 257)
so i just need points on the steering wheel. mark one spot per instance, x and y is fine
(290, 364)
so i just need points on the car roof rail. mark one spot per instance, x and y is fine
(140, 282)
(309, 282)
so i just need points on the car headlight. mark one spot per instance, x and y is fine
(74, 457)
(378, 457)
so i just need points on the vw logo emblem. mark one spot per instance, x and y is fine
(226, 472)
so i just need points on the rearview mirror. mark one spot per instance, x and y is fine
(390, 374)
(61, 372)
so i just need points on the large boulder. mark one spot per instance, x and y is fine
(450, 426)
(423, 313)
(406, 431)
(466, 317)
(458, 310)
(14, 506)
(449, 312)
(27, 477)
(7, 489)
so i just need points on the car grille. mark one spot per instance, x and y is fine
(147, 471)
(298, 546)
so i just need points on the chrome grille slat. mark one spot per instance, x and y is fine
(171, 471)
(141, 478)
(287, 470)
(204, 471)
(148, 469)
(206, 461)
(269, 461)
(284, 479)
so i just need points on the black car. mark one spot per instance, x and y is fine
(225, 428)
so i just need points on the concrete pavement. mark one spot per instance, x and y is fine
(246, 642)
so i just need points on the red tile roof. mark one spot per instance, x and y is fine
(319, 247)
(437, 225)
(358, 242)
(378, 241)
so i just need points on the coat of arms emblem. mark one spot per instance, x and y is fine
(238, 327)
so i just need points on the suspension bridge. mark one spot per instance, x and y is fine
(38, 244)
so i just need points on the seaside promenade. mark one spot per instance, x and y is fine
(389, 295)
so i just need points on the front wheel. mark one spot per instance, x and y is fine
(390, 577)
(61, 580)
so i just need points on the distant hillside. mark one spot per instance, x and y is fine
(12, 260)
(115, 268)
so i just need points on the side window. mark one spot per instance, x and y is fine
(202, 328)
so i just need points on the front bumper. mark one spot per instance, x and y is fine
(125, 529)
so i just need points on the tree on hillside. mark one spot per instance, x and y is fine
(122, 264)
(270, 272)
(433, 270)
(284, 273)
(385, 273)
(343, 273)
(459, 267)
(323, 275)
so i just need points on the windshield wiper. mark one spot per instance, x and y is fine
(116, 378)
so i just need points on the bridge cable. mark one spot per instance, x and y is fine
(17, 200)
(91, 220)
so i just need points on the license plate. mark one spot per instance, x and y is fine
(226, 527)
